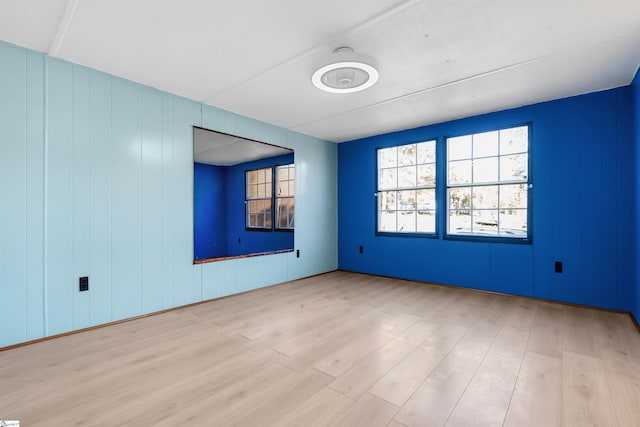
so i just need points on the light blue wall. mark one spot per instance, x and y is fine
(96, 179)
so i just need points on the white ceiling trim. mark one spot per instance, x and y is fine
(575, 48)
(330, 40)
(63, 27)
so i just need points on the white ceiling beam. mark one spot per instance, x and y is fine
(63, 27)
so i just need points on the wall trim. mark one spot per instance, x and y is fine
(568, 304)
(142, 316)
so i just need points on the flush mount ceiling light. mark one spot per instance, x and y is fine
(348, 72)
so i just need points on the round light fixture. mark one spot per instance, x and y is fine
(350, 72)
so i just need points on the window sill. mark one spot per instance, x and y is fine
(415, 235)
(225, 258)
(489, 239)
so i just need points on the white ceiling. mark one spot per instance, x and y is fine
(438, 59)
(221, 149)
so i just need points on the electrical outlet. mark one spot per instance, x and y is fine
(83, 284)
(558, 267)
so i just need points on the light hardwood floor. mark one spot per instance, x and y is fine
(339, 349)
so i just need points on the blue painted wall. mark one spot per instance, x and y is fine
(219, 227)
(209, 211)
(251, 241)
(96, 178)
(635, 110)
(583, 208)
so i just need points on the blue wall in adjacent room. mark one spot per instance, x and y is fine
(583, 208)
(635, 89)
(219, 215)
(251, 241)
(209, 211)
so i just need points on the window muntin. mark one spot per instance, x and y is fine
(487, 184)
(258, 198)
(407, 188)
(285, 203)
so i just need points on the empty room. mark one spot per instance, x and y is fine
(338, 213)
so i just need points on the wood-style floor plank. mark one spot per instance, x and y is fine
(586, 395)
(537, 398)
(319, 410)
(402, 381)
(344, 349)
(368, 411)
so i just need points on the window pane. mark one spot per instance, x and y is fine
(407, 200)
(426, 222)
(485, 222)
(387, 178)
(289, 203)
(514, 140)
(483, 206)
(407, 177)
(426, 199)
(267, 175)
(400, 179)
(406, 221)
(485, 144)
(252, 177)
(514, 167)
(513, 223)
(407, 155)
(459, 148)
(460, 172)
(387, 200)
(283, 173)
(427, 174)
(387, 157)
(485, 170)
(292, 185)
(387, 221)
(459, 222)
(460, 198)
(513, 196)
(261, 191)
(485, 197)
(427, 152)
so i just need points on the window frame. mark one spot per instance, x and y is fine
(529, 185)
(435, 187)
(247, 226)
(276, 197)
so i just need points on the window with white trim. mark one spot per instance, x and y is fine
(407, 188)
(488, 184)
